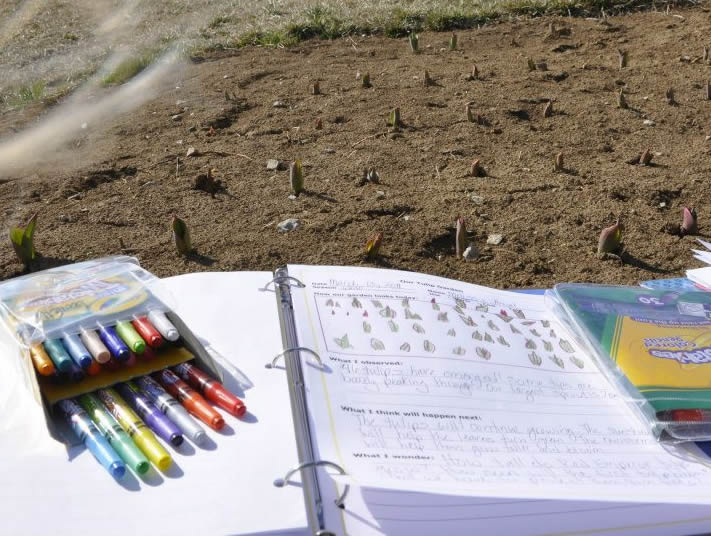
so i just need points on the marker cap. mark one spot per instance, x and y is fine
(41, 360)
(163, 325)
(58, 354)
(130, 336)
(147, 442)
(117, 469)
(93, 343)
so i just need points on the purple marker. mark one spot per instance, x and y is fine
(114, 343)
(153, 417)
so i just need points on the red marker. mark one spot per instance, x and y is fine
(212, 389)
(690, 415)
(146, 330)
(189, 398)
(94, 368)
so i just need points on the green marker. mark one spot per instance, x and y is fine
(115, 435)
(130, 336)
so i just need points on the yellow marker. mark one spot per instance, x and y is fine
(41, 360)
(136, 428)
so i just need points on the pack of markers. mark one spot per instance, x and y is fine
(110, 357)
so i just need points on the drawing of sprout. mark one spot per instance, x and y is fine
(534, 358)
(482, 308)
(429, 347)
(387, 312)
(514, 329)
(528, 322)
(405, 302)
(502, 341)
(459, 351)
(329, 302)
(435, 306)
(377, 344)
(483, 353)
(493, 326)
(459, 310)
(530, 344)
(343, 342)
(557, 360)
(365, 313)
(577, 361)
(367, 328)
(412, 316)
(505, 318)
(405, 347)
(547, 346)
(376, 304)
(519, 313)
(452, 333)
(534, 332)
(545, 323)
(467, 320)
(418, 328)
(476, 335)
(487, 337)
(460, 303)
(356, 304)
(442, 317)
(566, 346)
(393, 326)
(338, 305)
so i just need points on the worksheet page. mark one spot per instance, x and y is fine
(429, 384)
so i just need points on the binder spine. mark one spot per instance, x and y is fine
(307, 463)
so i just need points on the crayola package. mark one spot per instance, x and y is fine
(654, 344)
(45, 311)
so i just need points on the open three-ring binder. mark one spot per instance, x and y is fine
(455, 408)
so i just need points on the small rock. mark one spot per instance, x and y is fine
(292, 197)
(477, 199)
(495, 239)
(648, 122)
(177, 117)
(288, 225)
(84, 126)
(279, 104)
(64, 218)
(329, 150)
(379, 194)
(192, 151)
(470, 254)
(273, 164)
(707, 138)
(663, 204)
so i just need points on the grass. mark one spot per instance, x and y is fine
(127, 69)
(26, 94)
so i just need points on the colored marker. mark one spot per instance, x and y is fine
(93, 369)
(163, 325)
(114, 343)
(115, 435)
(172, 409)
(91, 437)
(189, 398)
(58, 355)
(151, 415)
(40, 359)
(93, 343)
(76, 350)
(135, 427)
(130, 336)
(75, 372)
(146, 330)
(212, 389)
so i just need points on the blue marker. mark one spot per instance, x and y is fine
(87, 432)
(77, 350)
(114, 343)
(58, 355)
(75, 372)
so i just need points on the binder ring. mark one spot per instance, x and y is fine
(281, 278)
(281, 482)
(297, 349)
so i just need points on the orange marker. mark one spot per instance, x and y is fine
(189, 398)
(213, 390)
(41, 360)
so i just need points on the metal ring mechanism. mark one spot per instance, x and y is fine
(281, 482)
(280, 279)
(297, 349)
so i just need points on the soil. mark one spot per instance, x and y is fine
(120, 196)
